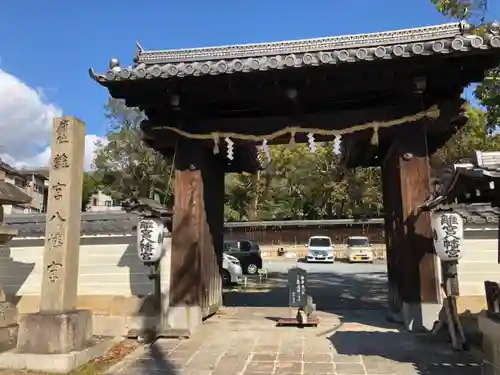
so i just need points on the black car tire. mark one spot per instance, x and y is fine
(226, 278)
(251, 269)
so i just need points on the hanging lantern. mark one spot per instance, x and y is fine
(150, 239)
(448, 233)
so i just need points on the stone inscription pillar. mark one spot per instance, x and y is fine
(58, 327)
(62, 233)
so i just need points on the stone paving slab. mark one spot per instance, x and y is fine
(245, 341)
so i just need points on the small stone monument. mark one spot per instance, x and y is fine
(298, 298)
(9, 194)
(59, 327)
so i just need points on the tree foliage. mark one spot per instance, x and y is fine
(299, 184)
(488, 91)
(462, 9)
(473, 136)
(295, 184)
(90, 187)
(124, 165)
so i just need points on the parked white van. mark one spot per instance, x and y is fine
(320, 249)
(359, 249)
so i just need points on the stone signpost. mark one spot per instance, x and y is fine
(58, 327)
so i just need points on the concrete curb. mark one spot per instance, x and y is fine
(57, 363)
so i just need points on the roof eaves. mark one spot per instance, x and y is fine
(440, 39)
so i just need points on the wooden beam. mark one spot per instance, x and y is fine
(245, 153)
(331, 120)
(452, 117)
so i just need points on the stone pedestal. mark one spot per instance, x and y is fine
(8, 312)
(55, 333)
(420, 317)
(8, 322)
(490, 330)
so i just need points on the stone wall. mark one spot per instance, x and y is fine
(112, 282)
(479, 263)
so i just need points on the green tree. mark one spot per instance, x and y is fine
(90, 187)
(488, 94)
(462, 9)
(299, 184)
(473, 136)
(124, 165)
(488, 91)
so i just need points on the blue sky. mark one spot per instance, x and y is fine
(50, 44)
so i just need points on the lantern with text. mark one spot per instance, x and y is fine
(150, 239)
(448, 233)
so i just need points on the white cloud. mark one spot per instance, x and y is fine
(26, 123)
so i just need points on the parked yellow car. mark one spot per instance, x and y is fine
(359, 249)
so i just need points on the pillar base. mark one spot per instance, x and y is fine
(420, 317)
(183, 319)
(8, 323)
(55, 332)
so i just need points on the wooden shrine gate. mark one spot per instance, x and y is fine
(394, 98)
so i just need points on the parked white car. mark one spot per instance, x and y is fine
(232, 273)
(320, 249)
(359, 249)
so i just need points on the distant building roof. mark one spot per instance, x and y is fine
(469, 189)
(93, 223)
(41, 172)
(10, 194)
(9, 169)
(475, 182)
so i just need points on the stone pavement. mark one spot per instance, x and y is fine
(245, 341)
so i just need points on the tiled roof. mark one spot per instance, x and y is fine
(42, 172)
(10, 194)
(8, 168)
(93, 223)
(453, 181)
(474, 213)
(399, 44)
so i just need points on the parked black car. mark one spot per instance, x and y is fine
(247, 252)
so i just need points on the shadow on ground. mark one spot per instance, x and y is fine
(332, 292)
(384, 352)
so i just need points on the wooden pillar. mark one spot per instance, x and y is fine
(393, 235)
(197, 236)
(412, 260)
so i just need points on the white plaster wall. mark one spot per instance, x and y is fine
(479, 263)
(104, 270)
(115, 269)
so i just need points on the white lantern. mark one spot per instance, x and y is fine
(448, 233)
(150, 239)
